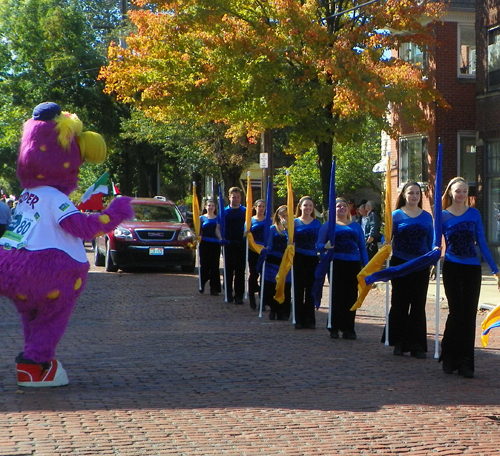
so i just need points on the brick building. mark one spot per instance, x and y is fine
(451, 67)
(488, 117)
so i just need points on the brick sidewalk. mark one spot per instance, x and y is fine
(157, 369)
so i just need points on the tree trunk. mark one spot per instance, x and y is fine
(325, 150)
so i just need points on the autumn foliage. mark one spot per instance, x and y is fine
(255, 65)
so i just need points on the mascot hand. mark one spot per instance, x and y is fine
(88, 227)
(119, 210)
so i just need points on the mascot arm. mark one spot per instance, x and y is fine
(88, 227)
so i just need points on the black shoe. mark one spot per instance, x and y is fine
(310, 326)
(334, 333)
(229, 299)
(465, 371)
(447, 365)
(298, 326)
(272, 315)
(253, 304)
(238, 301)
(282, 317)
(419, 354)
(349, 335)
(214, 293)
(398, 351)
(201, 290)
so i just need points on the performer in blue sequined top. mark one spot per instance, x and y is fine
(276, 246)
(257, 230)
(305, 262)
(412, 236)
(462, 230)
(349, 255)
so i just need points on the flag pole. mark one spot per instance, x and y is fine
(293, 298)
(248, 217)
(438, 281)
(387, 306)
(330, 296)
(262, 286)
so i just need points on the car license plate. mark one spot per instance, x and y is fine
(156, 250)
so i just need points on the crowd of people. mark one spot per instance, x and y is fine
(356, 238)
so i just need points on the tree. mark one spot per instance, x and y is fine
(354, 163)
(313, 65)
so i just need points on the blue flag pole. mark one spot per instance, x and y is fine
(438, 234)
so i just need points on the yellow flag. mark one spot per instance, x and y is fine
(287, 260)
(196, 213)
(378, 261)
(252, 245)
(492, 317)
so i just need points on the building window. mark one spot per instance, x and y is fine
(467, 158)
(412, 159)
(411, 53)
(493, 212)
(494, 58)
(467, 51)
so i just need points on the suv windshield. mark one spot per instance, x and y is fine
(151, 213)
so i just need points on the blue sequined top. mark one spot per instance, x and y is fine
(306, 236)
(276, 246)
(349, 242)
(207, 227)
(257, 230)
(461, 234)
(411, 236)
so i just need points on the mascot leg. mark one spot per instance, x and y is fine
(45, 318)
(43, 329)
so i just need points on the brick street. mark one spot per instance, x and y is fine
(156, 368)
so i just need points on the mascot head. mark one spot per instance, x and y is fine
(53, 148)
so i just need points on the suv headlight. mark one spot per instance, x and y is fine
(184, 234)
(123, 233)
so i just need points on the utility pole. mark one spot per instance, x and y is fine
(266, 163)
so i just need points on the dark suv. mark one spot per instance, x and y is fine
(157, 236)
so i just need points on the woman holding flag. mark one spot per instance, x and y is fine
(306, 230)
(276, 246)
(210, 249)
(462, 229)
(257, 229)
(349, 254)
(412, 236)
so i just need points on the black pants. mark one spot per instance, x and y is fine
(209, 265)
(304, 267)
(407, 320)
(462, 285)
(371, 249)
(345, 294)
(253, 275)
(235, 258)
(282, 311)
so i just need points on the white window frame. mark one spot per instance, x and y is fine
(424, 151)
(472, 53)
(460, 136)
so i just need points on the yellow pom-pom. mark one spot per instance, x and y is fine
(40, 176)
(78, 284)
(21, 297)
(53, 294)
(104, 219)
(66, 165)
(43, 148)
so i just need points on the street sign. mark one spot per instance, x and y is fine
(264, 161)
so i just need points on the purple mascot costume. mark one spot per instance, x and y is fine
(42, 256)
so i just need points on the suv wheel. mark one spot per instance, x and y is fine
(98, 257)
(108, 261)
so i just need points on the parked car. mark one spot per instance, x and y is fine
(157, 236)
